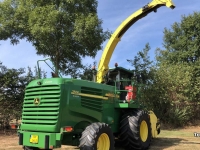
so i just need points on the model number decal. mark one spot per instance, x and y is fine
(75, 92)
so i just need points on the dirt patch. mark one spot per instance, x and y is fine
(176, 140)
(9, 142)
(173, 139)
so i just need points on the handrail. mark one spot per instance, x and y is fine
(39, 75)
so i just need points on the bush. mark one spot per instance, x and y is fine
(179, 116)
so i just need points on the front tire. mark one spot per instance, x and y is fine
(135, 130)
(97, 136)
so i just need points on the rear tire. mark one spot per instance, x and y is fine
(135, 130)
(97, 136)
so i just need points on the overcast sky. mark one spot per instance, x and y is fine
(113, 13)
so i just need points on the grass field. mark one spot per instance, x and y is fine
(179, 139)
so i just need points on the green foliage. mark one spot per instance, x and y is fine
(179, 116)
(88, 72)
(174, 81)
(175, 78)
(181, 44)
(171, 85)
(13, 83)
(182, 40)
(142, 63)
(64, 30)
(177, 74)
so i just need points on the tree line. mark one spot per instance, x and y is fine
(13, 84)
(172, 81)
(67, 31)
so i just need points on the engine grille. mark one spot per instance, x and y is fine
(47, 111)
(91, 102)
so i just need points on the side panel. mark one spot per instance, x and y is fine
(88, 102)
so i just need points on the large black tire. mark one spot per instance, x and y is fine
(135, 130)
(97, 136)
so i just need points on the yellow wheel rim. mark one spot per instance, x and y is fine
(143, 131)
(103, 142)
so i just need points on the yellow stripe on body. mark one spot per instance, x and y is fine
(93, 96)
(107, 95)
(88, 95)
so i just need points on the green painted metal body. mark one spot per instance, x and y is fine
(52, 104)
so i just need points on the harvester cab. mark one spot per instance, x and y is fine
(125, 82)
(91, 115)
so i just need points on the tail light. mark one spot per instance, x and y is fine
(68, 129)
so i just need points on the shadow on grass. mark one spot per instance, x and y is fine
(159, 143)
(163, 142)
